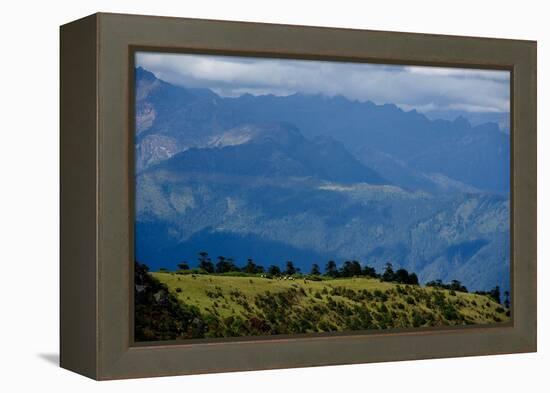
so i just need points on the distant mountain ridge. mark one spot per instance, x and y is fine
(477, 157)
(277, 150)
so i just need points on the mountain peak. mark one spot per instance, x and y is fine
(280, 133)
(143, 74)
(273, 150)
(462, 122)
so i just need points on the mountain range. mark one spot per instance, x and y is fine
(310, 178)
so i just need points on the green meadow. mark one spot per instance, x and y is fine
(249, 305)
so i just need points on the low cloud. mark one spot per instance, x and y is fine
(423, 88)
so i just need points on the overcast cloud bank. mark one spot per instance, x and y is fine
(426, 89)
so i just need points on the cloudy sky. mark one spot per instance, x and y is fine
(431, 90)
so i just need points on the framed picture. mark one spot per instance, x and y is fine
(242, 196)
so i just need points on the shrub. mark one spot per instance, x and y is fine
(454, 285)
(252, 268)
(274, 270)
(418, 319)
(382, 296)
(166, 320)
(331, 270)
(217, 293)
(388, 274)
(183, 266)
(315, 270)
(290, 269)
(324, 326)
(369, 272)
(449, 312)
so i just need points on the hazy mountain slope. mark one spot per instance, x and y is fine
(277, 150)
(399, 172)
(408, 136)
(474, 156)
(311, 178)
(272, 219)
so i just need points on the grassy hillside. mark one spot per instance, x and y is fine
(225, 306)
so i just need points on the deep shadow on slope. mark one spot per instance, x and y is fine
(151, 248)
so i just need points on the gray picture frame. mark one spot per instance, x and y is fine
(97, 195)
